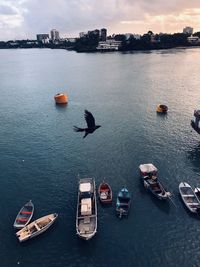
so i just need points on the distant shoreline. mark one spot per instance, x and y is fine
(106, 51)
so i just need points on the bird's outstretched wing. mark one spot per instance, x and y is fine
(89, 119)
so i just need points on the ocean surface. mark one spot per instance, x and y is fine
(41, 157)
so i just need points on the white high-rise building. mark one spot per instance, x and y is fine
(188, 30)
(55, 35)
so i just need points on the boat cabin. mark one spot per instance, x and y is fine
(85, 190)
(148, 171)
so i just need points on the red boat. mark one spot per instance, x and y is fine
(105, 193)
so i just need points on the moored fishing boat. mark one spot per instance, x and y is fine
(37, 227)
(105, 193)
(86, 215)
(148, 173)
(189, 197)
(123, 202)
(61, 98)
(24, 215)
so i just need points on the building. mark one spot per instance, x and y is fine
(103, 34)
(188, 30)
(55, 36)
(82, 34)
(43, 38)
(94, 33)
(109, 45)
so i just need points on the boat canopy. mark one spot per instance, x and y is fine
(148, 168)
(86, 206)
(85, 187)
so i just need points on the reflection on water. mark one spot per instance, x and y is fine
(193, 155)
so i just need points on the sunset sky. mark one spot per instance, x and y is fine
(23, 19)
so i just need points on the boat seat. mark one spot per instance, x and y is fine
(104, 190)
(22, 219)
(194, 204)
(26, 212)
(188, 196)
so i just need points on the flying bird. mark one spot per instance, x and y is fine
(91, 126)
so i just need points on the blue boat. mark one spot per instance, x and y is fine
(123, 202)
(196, 122)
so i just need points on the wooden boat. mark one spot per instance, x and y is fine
(105, 193)
(61, 98)
(189, 197)
(24, 216)
(86, 215)
(148, 173)
(37, 227)
(123, 202)
(162, 109)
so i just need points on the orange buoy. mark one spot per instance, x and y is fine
(61, 98)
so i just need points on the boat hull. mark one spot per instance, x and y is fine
(162, 196)
(189, 198)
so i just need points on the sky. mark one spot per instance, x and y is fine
(23, 19)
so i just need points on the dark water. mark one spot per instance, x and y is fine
(41, 156)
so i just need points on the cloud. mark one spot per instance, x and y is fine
(70, 17)
(6, 10)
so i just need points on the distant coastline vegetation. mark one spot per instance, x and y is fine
(92, 42)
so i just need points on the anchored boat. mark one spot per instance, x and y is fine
(189, 197)
(86, 215)
(151, 182)
(24, 216)
(105, 193)
(37, 227)
(123, 202)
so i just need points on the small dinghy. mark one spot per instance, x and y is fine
(105, 193)
(123, 203)
(24, 216)
(148, 173)
(36, 228)
(189, 197)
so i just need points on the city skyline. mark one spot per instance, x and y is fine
(23, 19)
